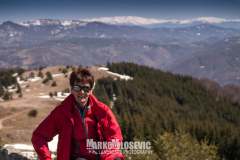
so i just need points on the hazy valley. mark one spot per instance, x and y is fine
(198, 49)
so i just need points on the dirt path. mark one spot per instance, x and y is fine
(10, 116)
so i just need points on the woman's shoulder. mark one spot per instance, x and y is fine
(98, 105)
(65, 106)
(98, 108)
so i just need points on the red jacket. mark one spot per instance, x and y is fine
(61, 121)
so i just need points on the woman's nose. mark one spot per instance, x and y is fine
(81, 92)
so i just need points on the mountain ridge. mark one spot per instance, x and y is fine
(132, 20)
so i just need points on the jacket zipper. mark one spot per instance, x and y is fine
(84, 123)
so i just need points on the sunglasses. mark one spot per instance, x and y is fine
(79, 88)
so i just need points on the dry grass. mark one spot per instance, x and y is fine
(19, 129)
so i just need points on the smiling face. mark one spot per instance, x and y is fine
(81, 92)
(81, 82)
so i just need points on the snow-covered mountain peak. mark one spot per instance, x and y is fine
(125, 20)
(134, 20)
(211, 19)
(39, 22)
(128, 20)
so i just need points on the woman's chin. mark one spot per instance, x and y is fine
(82, 101)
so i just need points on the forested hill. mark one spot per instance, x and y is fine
(155, 102)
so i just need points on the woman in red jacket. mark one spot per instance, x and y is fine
(80, 117)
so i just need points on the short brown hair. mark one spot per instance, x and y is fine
(81, 74)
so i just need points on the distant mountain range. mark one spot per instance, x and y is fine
(139, 21)
(151, 22)
(205, 47)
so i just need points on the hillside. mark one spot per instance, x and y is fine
(217, 60)
(155, 102)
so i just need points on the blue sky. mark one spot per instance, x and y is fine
(20, 10)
